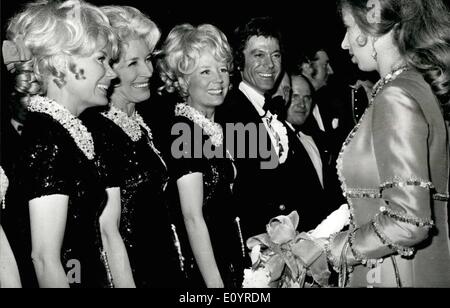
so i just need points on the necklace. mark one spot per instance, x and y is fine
(385, 80)
(212, 129)
(76, 129)
(378, 87)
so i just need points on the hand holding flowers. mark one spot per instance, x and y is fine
(283, 257)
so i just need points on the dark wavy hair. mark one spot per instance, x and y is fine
(421, 30)
(257, 26)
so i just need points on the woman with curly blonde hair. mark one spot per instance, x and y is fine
(196, 63)
(72, 223)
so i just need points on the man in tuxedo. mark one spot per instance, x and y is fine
(312, 188)
(258, 57)
(329, 111)
(317, 69)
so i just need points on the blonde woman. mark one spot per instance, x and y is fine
(73, 223)
(132, 163)
(196, 63)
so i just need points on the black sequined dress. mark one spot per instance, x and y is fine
(50, 164)
(218, 206)
(142, 176)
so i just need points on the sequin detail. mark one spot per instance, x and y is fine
(358, 193)
(105, 262)
(79, 133)
(131, 125)
(3, 187)
(359, 256)
(418, 222)
(339, 162)
(212, 129)
(331, 259)
(402, 250)
(241, 238)
(441, 197)
(399, 182)
(177, 244)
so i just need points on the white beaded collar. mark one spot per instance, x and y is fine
(131, 125)
(212, 129)
(76, 129)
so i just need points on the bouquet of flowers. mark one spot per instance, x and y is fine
(283, 257)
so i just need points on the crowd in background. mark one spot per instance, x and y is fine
(107, 174)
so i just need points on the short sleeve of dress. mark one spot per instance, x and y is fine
(45, 170)
(185, 149)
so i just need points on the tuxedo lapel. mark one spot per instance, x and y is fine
(237, 108)
(299, 157)
(257, 190)
(249, 113)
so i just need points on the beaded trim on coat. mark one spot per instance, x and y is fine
(339, 162)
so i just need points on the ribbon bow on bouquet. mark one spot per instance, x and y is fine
(287, 256)
(282, 257)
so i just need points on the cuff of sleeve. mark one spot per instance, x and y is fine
(338, 253)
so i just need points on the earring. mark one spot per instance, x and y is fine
(374, 51)
(374, 54)
(361, 40)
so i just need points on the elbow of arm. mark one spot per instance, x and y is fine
(417, 235)
(109, 229)
(405, 236)
(42, 260)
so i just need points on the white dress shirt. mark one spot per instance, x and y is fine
(318, 117)
(258, 101)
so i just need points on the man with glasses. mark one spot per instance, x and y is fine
(306, 165)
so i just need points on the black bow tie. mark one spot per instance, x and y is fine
(275, 105)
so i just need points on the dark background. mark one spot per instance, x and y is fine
(302, 23)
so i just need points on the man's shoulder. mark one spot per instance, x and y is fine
(235, 108)
(235, 98)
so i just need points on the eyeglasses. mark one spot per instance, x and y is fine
(307, 99)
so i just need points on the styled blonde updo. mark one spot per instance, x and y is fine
(181, 51)
(131, 24)
(52, 30)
